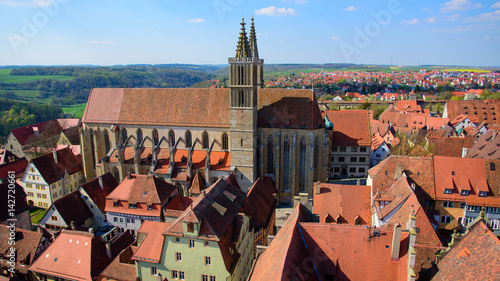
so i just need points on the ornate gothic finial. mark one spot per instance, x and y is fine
(253, 41)
(242, 49)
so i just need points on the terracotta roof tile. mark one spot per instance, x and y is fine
(450, 146)
(26, 244)
(483, 111)
(345, 252)
(349, 201)
(52, 171)
(285, 253)
(260, 203)
(72, 207)
(479, 249)
(350, 127)
(98, 193)
(486, 147)
(151, 246)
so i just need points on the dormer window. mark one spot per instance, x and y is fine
(132, 206)
(150, 207)
(448, 191)
(483, 193)
(464, 192)
(453, 173)
(115, 204)
(190, 227)
(492, 166)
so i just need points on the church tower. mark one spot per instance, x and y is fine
(244, 78)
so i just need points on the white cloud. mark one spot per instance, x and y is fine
(300, 2)
(27, 3)
(413, 21)
(100, 42)
(431, 20)
(195, 20)
(262, 34)
(352, 8)
(496, 5)
(453, 17)
(459, 5)
(429, 10)
(59, 37)
(335, 37)
(17, 38)
(273, 11)
(493, 16)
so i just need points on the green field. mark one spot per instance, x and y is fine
(5, 77)
(466, 70)
(76, 110)
(37, 214)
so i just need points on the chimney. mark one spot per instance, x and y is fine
(464, 151)
(399, 171)
(73, 225)
(396, 242)
(54, 155)
(101, 184)
(108, 250)
(318, 187)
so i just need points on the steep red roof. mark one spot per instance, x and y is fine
(72, 208)
(52, 170)
(486, 147)
(351, 202)
(26, 244)
(408, 106)
(350, 127)
(285, 253)
(215, 210)
(97, 192)
(346, 252)
(18, 167)
(23, 134)
(418, 169)
(479, 249)
(459, 174)
(75, 255)
(151, 246)
(197, 185)
(285, 108)
(487, 111)
(260, 203)
(206, 107)
(450, 146)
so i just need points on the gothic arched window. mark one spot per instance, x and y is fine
(92, 146)
(188, 138)
(156, 139)
(316, 159)
(171, 138)
(139, 137)
(302, 165)
(225, 141)
(205, 141)
(124, 135)
(286, 164)
(270, 155)
(107, 144)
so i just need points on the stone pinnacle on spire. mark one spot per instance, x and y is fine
(254, 51)
(242, 49)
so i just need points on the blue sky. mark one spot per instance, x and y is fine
(109, 32)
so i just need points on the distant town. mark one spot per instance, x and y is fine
(245, 173)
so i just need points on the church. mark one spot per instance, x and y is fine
(200, 135)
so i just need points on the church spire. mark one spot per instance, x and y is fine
(242, 50)
(254, 51)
